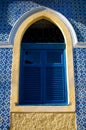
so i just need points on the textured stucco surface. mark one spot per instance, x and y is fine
(43, 121)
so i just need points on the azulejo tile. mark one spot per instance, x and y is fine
(80, 86)
(5, 83)
(12, 10)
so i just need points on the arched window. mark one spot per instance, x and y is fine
(43, 66)
(42, 71)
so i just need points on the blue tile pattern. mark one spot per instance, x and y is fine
(80, 86)
(12, 10)
(5, 83)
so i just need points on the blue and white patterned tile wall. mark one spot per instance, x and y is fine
(5, 84)
(80, 86)
(73, 10)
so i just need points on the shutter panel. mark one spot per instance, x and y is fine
(54, 56)
(55, 92)
(32, 89)
(55, 78)
(31, 80)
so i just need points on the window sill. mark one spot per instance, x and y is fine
(26, 108)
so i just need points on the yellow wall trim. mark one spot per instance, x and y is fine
(52, 17)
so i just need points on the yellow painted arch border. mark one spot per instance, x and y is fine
(52, 17)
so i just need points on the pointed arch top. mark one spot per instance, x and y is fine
(44, 13)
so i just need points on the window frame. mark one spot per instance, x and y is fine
(50, 16)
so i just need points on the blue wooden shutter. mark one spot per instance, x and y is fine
(56, 92)
(42, 74)
(31, 77)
